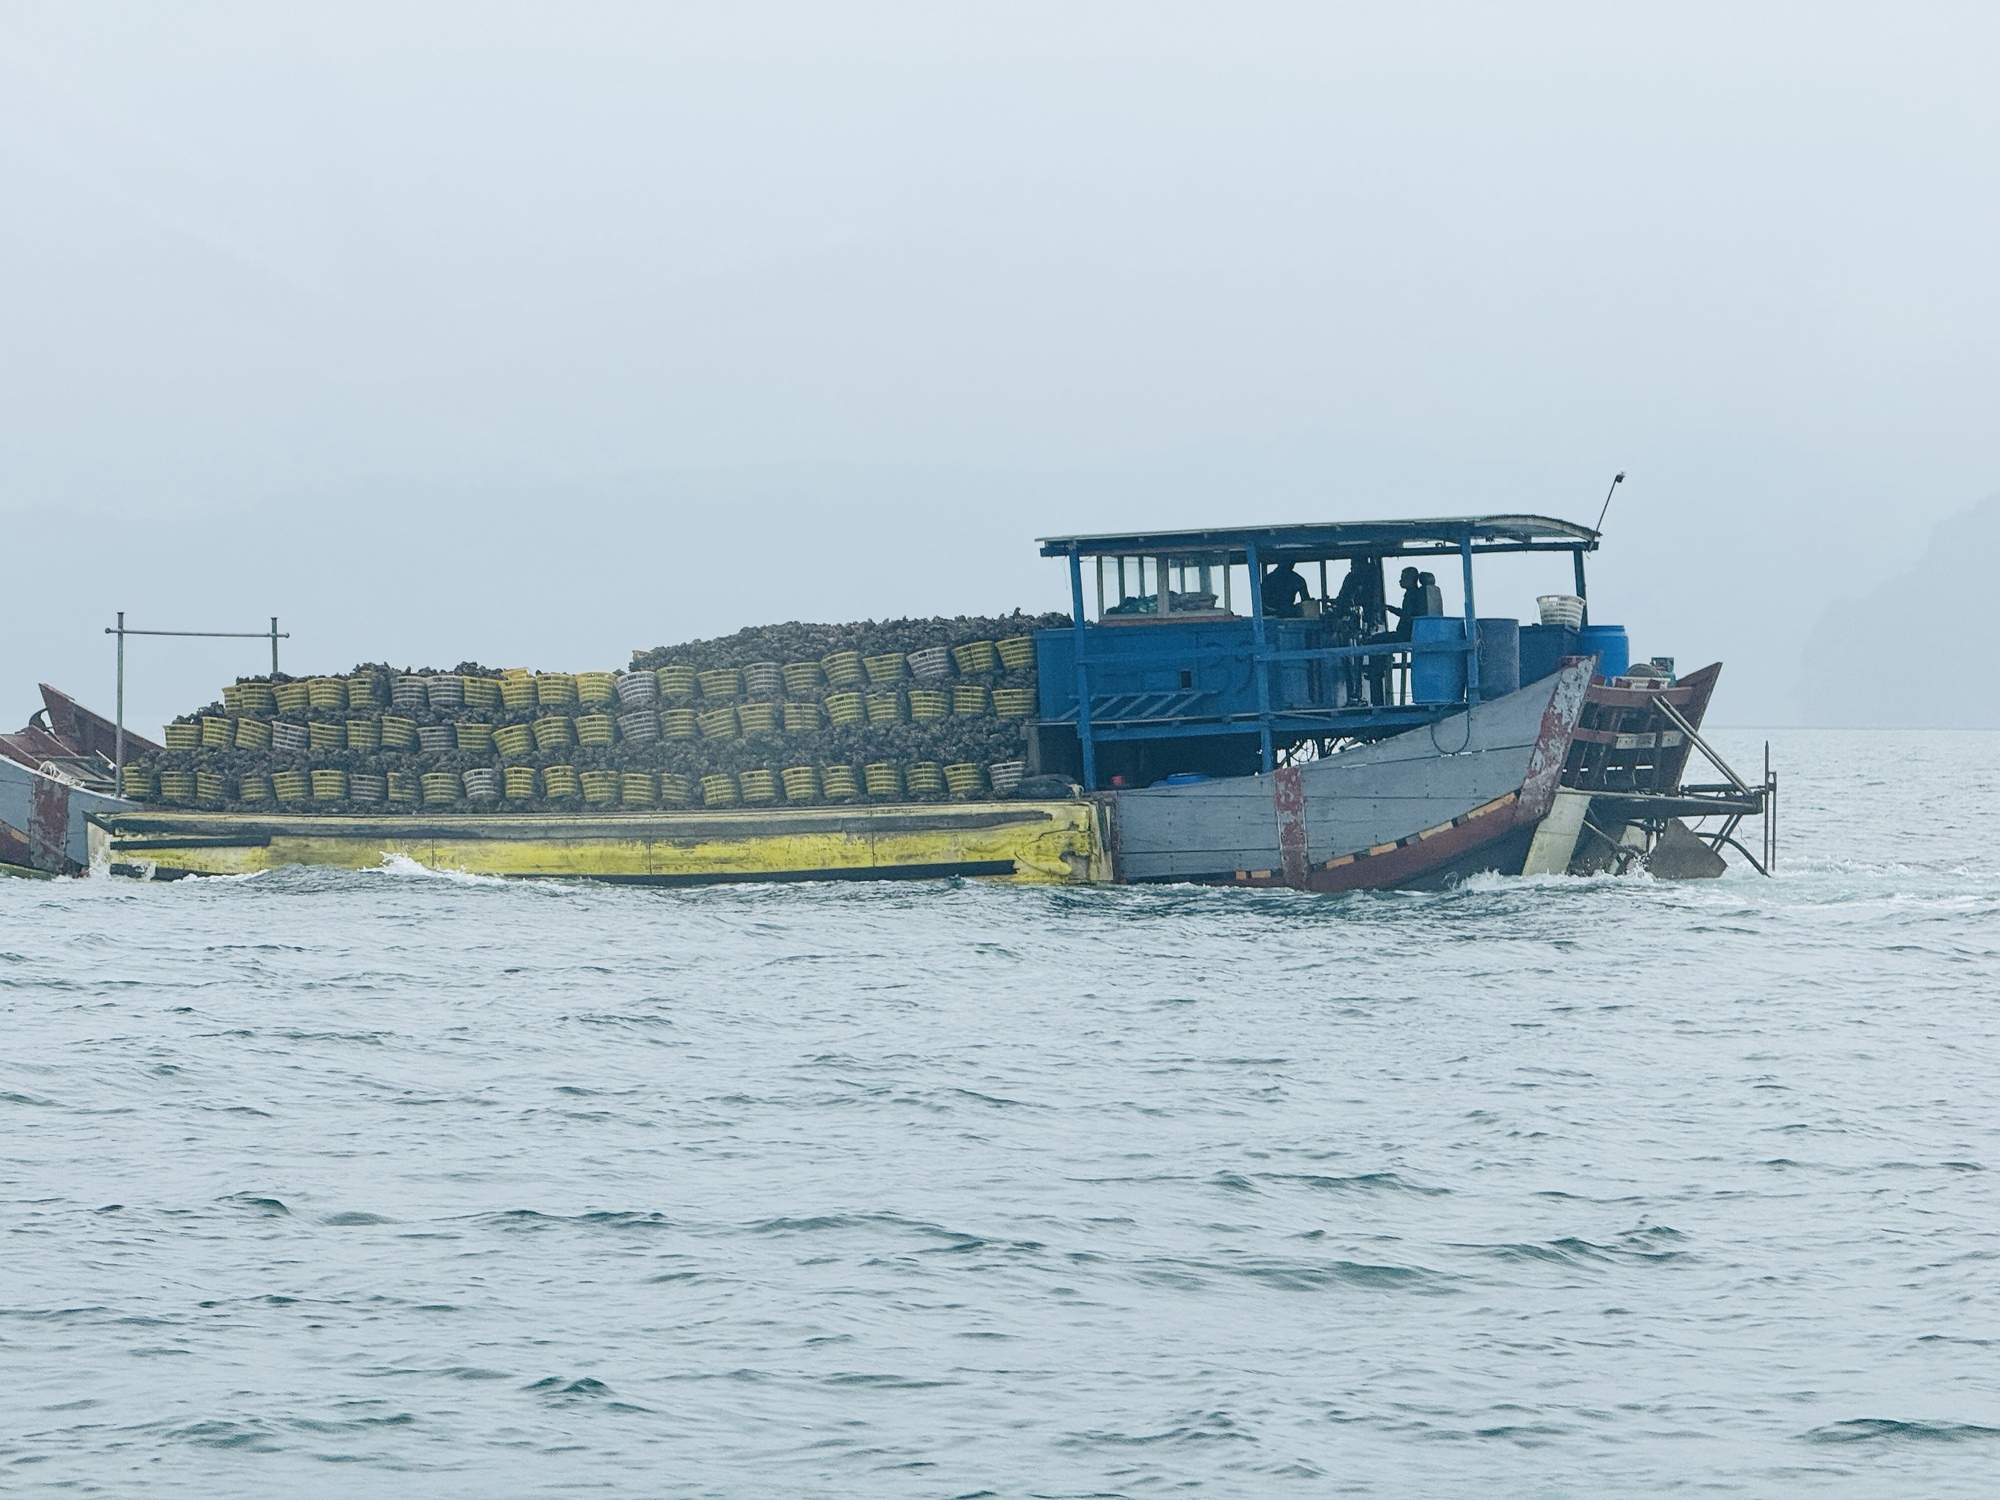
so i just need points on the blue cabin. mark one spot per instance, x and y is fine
(1219, 652)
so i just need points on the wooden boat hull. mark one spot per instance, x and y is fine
(1424, 808)
(43, 821)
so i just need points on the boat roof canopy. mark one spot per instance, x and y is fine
(1313, 541)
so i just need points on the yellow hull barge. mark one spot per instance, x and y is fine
(1033, 842)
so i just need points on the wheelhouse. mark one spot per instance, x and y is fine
(1174, 664)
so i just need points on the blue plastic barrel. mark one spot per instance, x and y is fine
(1499, 658)
(1437, 676)
(1608, 644)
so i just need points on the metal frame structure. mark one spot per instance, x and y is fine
(121, 631)
(1256, 547)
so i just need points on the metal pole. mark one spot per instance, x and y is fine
(1082, 674)
(1577, 557)
(1256, 570)
(1617, 479)
(118, 774)
(1471, 628)
(121, 632)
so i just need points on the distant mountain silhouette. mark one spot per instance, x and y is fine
(1913, 652)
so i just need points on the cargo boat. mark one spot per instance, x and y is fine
(1314, 744)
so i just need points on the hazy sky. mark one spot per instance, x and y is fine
(536, 334)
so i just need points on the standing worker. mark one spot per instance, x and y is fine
(1283, 589)
(1416, 602)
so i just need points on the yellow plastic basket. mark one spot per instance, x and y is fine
(720, 682)
(891, 666)
(554, 732)
(977, 656)
(844, 669)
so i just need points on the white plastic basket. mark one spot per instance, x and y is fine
(1565, 610)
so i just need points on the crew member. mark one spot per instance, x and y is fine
(1353, 595)
(1283, 589)
(1416, 602)
(1349, 619)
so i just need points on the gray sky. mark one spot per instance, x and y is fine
(533, 335)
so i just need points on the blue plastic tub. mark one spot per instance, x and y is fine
(1437, 676)
(1542, 649)
(1608, 644)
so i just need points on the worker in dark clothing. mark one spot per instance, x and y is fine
(1283, 589)
(1416, 603)
(1353, 595)
(1347, 620)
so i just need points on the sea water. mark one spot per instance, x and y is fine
(319, 1183)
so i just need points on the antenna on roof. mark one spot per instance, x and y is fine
(1616, 480)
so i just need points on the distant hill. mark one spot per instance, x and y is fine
(1914, 651)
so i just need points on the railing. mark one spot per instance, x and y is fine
(1129, 716)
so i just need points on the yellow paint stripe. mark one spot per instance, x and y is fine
(1061, 847)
